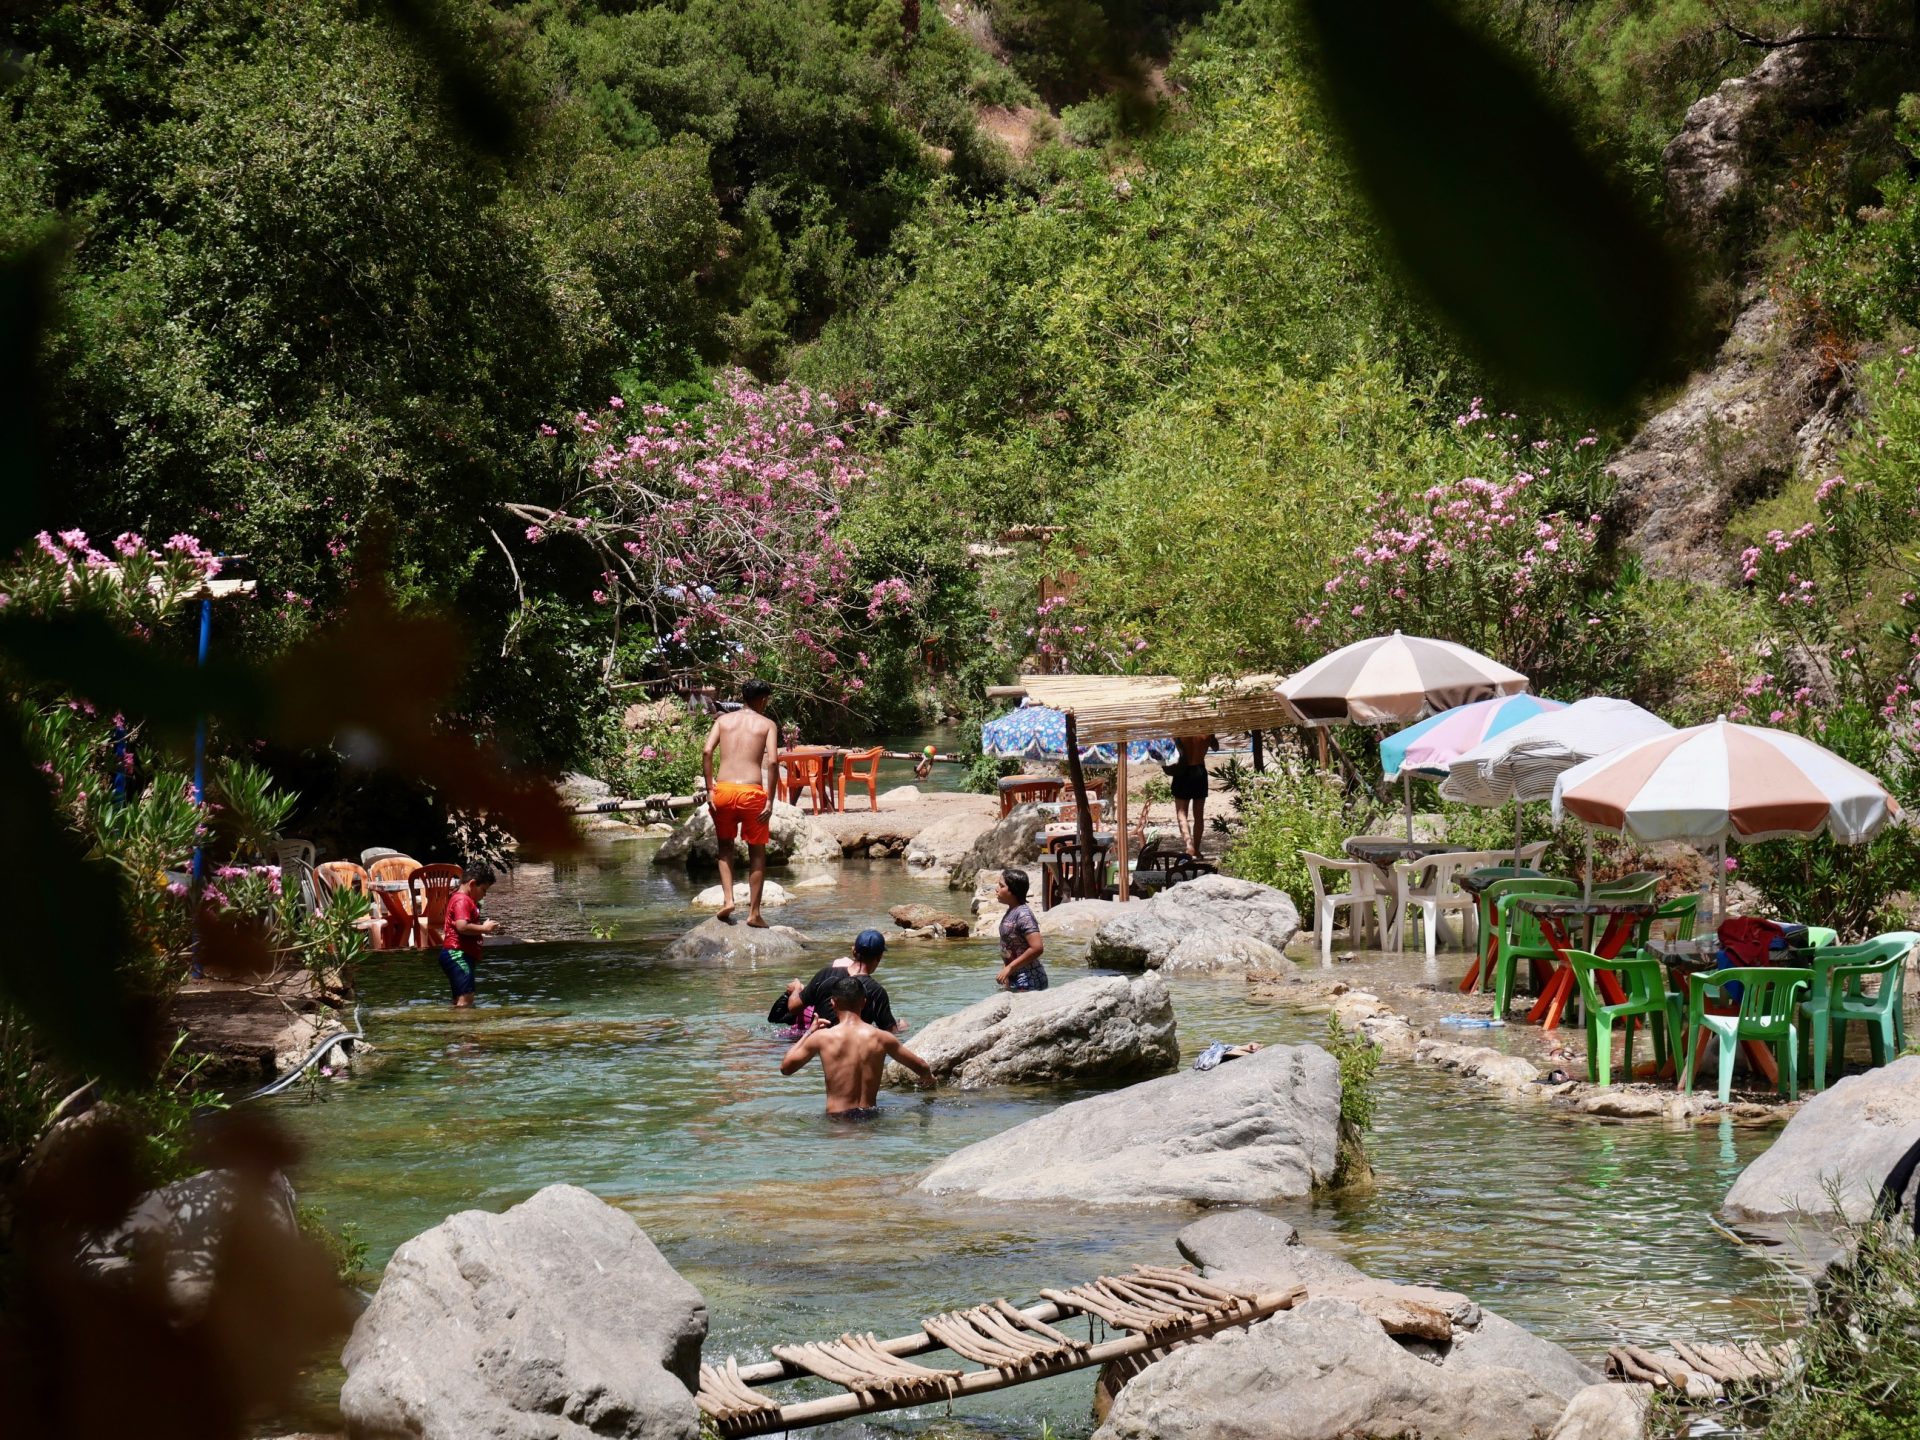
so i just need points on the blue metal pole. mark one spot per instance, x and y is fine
(200, 736)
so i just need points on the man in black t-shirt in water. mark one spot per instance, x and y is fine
(804, 1006)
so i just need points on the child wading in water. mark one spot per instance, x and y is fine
(1020, 942)
(460, 941)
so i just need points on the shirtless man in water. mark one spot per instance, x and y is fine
(852, 1052)
(740, 797)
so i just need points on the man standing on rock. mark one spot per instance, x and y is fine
(852, 1053)
(740, 798)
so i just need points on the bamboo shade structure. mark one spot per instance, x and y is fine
(1148, 707)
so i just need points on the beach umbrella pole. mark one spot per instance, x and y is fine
(1516, 829)
(1406, 791)
(1720, 884)
(1587, 893)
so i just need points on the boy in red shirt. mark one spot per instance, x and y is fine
(461, 941)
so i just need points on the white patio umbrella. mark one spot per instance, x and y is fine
(1520, 764)
(1394, 680)
(1710, 784)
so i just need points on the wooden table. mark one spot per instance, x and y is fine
(1063, 842)
(1024, 789)
(1553, 912)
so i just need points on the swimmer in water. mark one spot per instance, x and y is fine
(852, 1053)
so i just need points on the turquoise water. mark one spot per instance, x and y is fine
(657, 1087)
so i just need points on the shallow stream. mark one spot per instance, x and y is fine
(658, 1088)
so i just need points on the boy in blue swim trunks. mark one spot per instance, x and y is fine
(461, 940)
(1020, 942)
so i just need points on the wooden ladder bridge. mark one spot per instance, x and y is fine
(1154, 1306)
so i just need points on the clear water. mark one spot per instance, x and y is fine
(657, 1087)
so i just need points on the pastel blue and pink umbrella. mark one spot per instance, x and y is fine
(1429, 747)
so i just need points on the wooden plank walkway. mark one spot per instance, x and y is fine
(1154, 1306)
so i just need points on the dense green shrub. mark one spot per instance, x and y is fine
(660, 756)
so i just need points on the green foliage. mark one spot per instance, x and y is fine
(1289, 808)
(661, 756)
(1859, 1376)
(983, 776)
(342, 1244)
(1359, 1059)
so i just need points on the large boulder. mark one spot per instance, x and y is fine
(1214, 911)
(1845, 1140)
(1104, 1028)
(1070, 919)
(1254, 1130)
(1014, 839)
(1327, 1370)
(186, 1223)
(934, 852)
(794, 839)
(734, 942)
(557, 1319)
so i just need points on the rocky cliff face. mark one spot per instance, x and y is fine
(1772, 405)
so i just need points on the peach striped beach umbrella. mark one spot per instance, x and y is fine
(1711, 784)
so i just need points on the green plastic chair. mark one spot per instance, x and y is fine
(1838, 998)
(1640, 885)
(1682, 910)
(1769, 996)
(1644, 979)
(1483, 917)
(1521, 937)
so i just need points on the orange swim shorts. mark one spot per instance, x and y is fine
(738, 809)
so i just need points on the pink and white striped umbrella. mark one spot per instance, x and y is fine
(1713, 783)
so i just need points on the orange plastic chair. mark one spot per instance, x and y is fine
(805, 772)
(850, 770)
(396, 906)
(433, 887)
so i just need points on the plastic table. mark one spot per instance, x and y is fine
(1553, 912)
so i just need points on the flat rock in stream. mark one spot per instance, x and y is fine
(1357, 1356)
(1202, 921)
(772, 895)
(1105, 1028)
(731, 942)
(1847, 1139)
(924, 917)
(1254, 1130)
(555, 1320)
(1326, 1370)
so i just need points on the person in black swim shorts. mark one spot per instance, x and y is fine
(1189, 777)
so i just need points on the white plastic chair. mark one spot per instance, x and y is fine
(1364, 878)
(1441, 893)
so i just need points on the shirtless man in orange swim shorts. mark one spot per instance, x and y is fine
(740, 797)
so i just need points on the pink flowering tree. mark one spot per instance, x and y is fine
(1507, 565)
(716, 534)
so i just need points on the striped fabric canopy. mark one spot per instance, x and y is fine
(1429, 747)
(1522, 763)
(1714, 783)
(1395, 679)
(1039, 732)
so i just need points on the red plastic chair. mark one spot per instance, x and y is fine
(433, 887)
(850, 770)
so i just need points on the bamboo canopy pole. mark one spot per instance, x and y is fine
(1120, 829)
